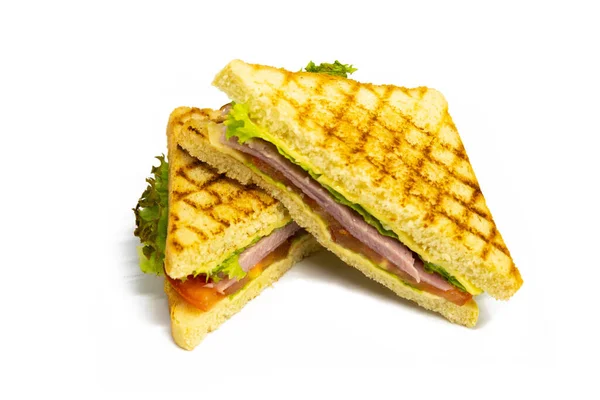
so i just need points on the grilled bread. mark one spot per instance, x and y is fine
(210, 215)
(394, 151)
(190, 325)
(195, 134)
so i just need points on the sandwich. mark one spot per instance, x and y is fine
(377, 174)
(217, 242)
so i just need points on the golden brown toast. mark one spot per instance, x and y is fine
(395, 151)
(194, 136)
(210, 215)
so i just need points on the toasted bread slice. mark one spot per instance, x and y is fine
(210, 215)
(395, 151)
(190, 325)
(195, 136)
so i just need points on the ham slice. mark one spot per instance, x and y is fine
(256, 253)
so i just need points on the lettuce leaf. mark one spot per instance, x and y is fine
(336, 69)
(369, 219)
(230, 268)
(429, 267)
(151, 214)
(239, 124)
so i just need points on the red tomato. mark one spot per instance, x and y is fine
(193, 292)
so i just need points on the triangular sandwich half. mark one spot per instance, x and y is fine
(225, 243)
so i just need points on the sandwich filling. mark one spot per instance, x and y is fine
(350, 225)
(203, 292)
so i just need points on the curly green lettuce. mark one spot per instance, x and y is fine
(240, 125)
(230, 268)
(336, 69)
(151, 214)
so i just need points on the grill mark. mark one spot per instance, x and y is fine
(195, 130)
(227, 197)
(240, 213)
(464, 180)
(178, 247)
(245, 212)
(457, 222)
(389, 89)
(304, 111)
(195, 163)
(177, 195)
(219, 230)
(264, 200)
(215, 193)
(486, 250)
(201, 235)
(418, 171)
(374, 116)
(214, 215)
(477, 194)
(181, 173)
(221, 200)
(338, 115)
(198, 185)
(192, 204)
(200, 207)
(398, 141)
(435, 204)
(496, 236)
(502, 248)
(460, 153)
(409, 183)
(252, 193)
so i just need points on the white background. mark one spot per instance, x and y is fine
(85, 93)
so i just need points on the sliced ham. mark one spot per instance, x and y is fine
(255, 253)
(223, 285)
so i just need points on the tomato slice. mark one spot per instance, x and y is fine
(194, 292)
